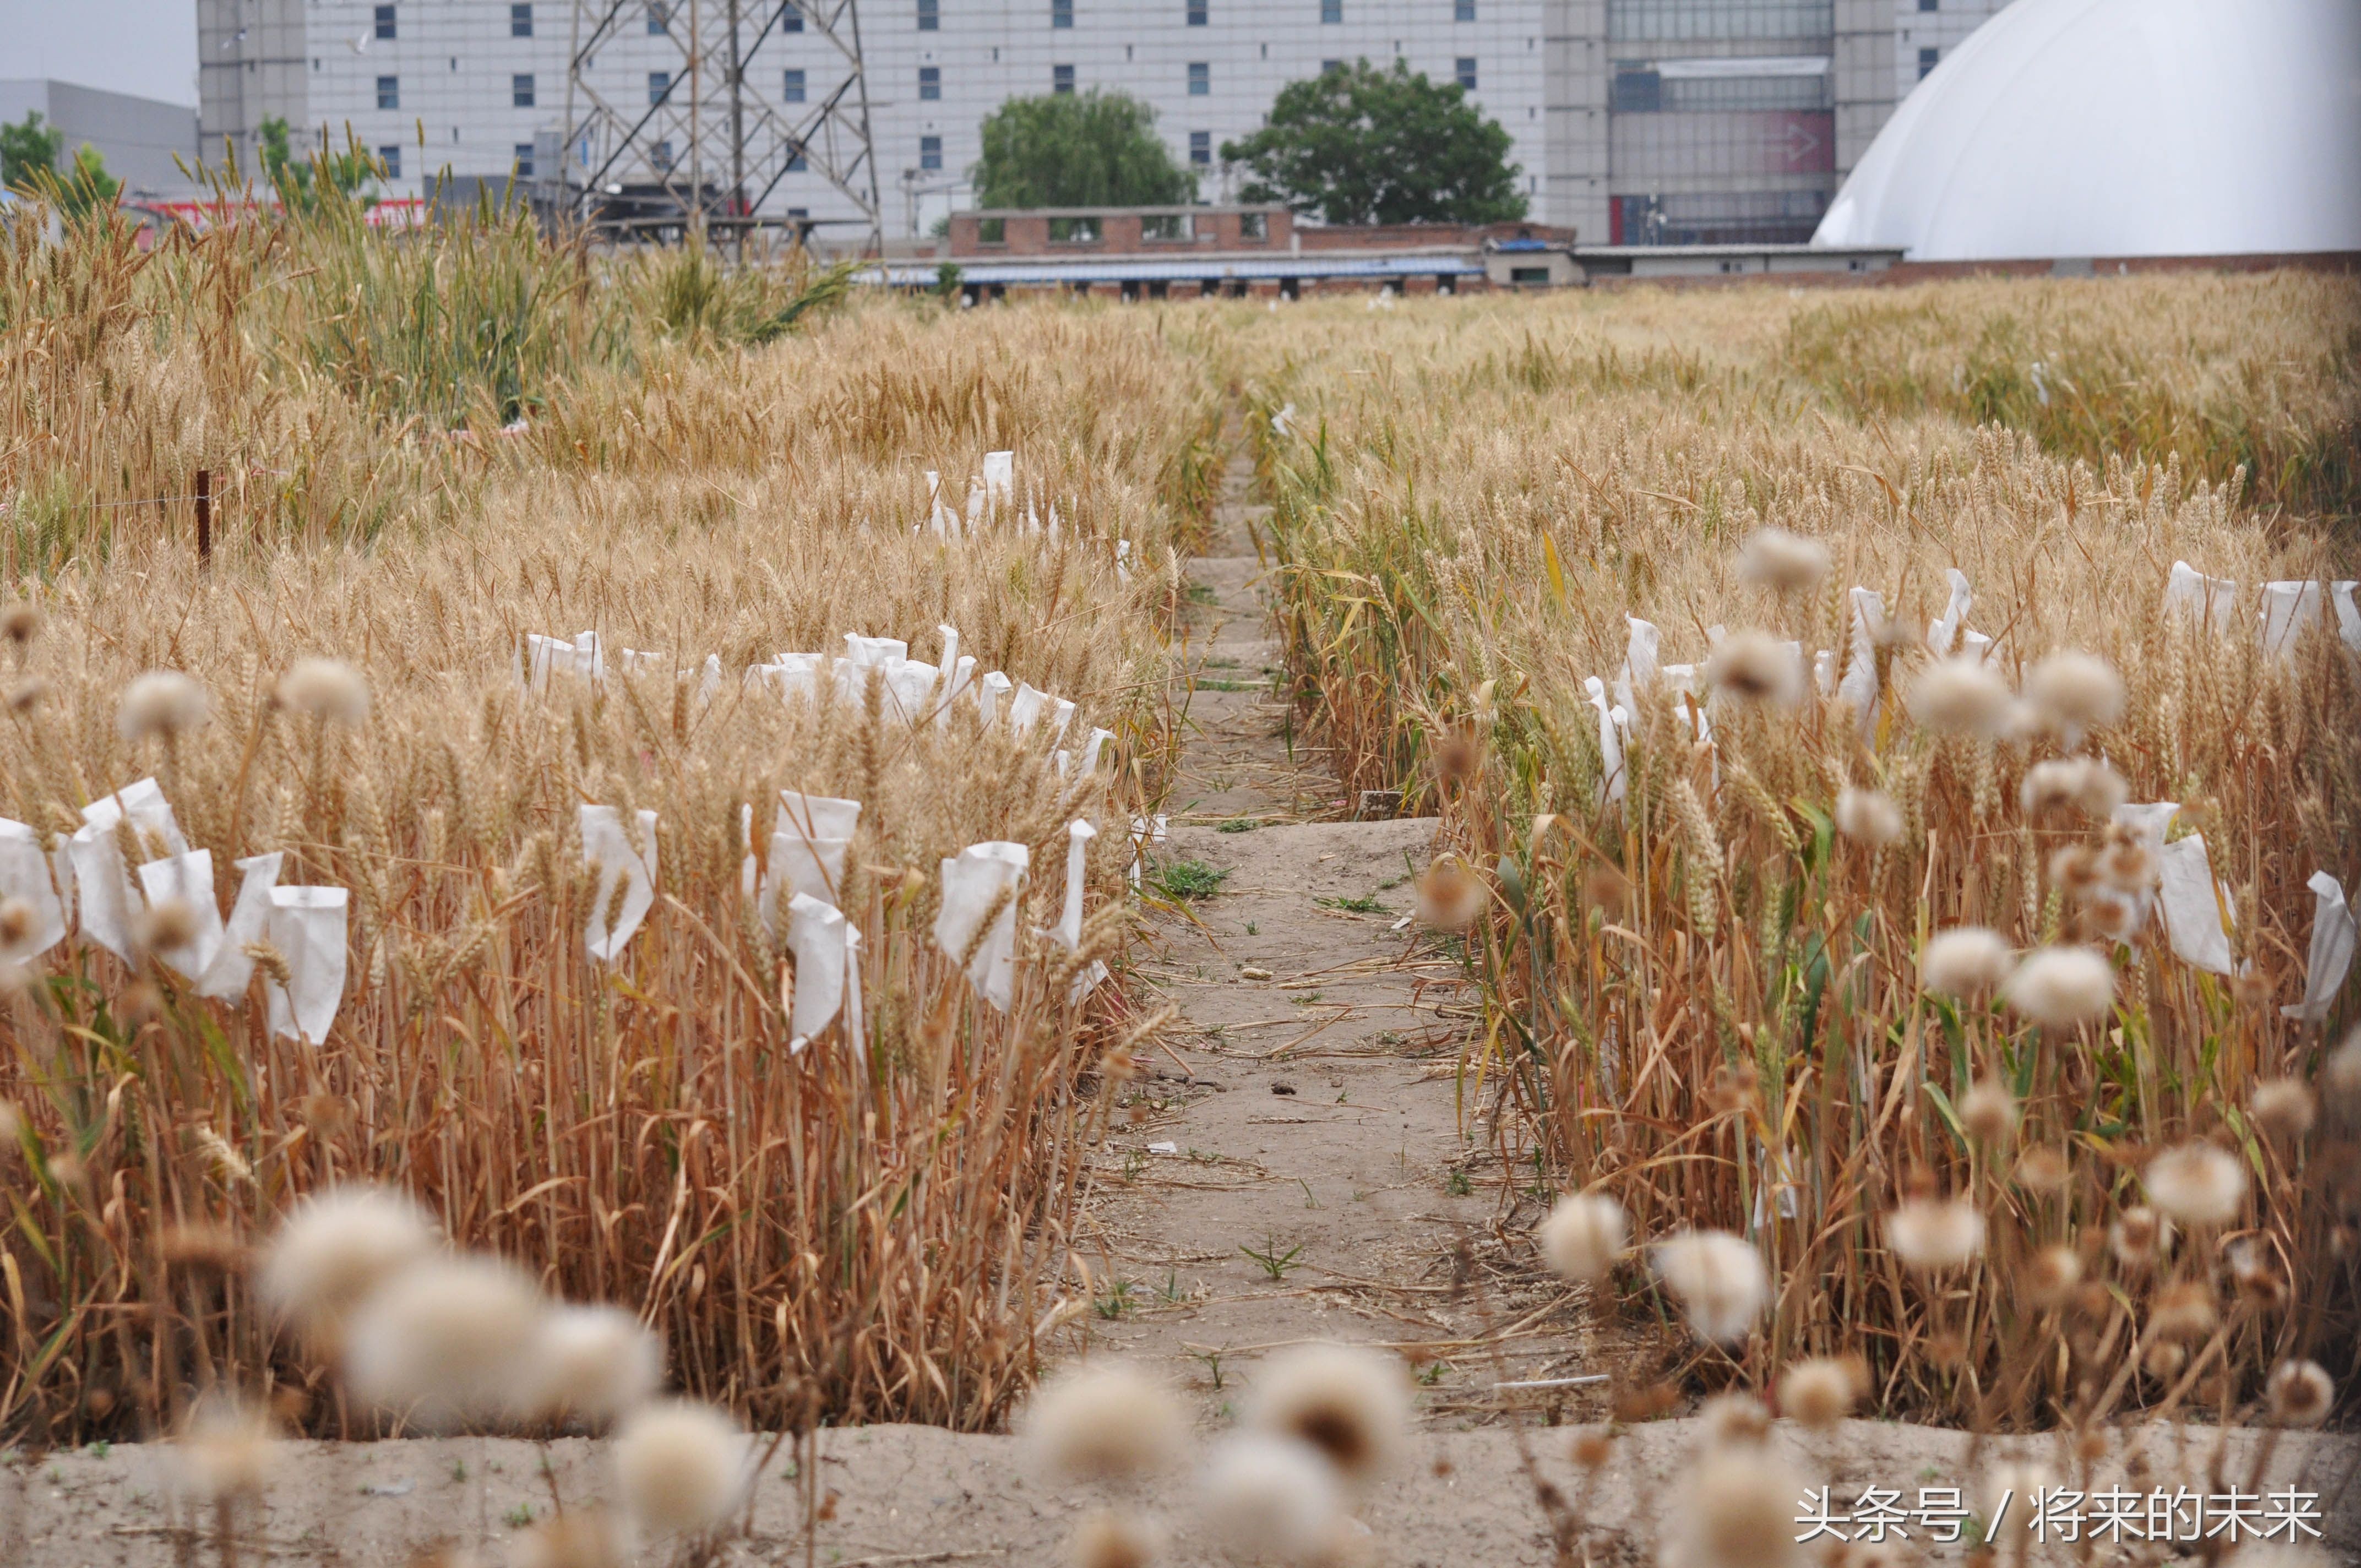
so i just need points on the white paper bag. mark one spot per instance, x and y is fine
(1024, 709)
(1068, 933)
(809, 844)
(25, 874)
(816, 938)
(855, 1028)
(1091, 749)
(1639, 663)
(2206, 600)
(910, 689)
(864, 651)
(2349, 613)
(606, 845)
(2289, 609)
(1000, 479)
(2196, 917)
(307, 925)
(1146, 830)
(1859, 685)
(190, 879)
(988, 693)
(972, 883)
(1122, 560)
(1975, 645)
(2332, 933)
(789, 676)
(549, 657)
(1943, 632)
(102, 880)
(1061, 714)
(227, 978)
(1612, 723)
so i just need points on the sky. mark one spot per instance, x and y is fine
(148, 48)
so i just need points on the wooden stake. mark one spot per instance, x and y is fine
(204, 516)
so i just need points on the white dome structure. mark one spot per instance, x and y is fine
(2124, 127)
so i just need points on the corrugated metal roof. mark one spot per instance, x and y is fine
(1112, 270)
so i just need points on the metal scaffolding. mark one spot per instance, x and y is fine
(712, 136)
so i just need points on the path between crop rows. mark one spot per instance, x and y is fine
(1307, 1113)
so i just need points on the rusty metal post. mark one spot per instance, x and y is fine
(204, 516)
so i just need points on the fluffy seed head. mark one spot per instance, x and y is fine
(338, 1246)
(1988, 1110)
(168, 925)
(2016, 1482)
(1450, 896)
(2051, 1274)
(17, 922)
(1583, 1236)
(1108, 1538)
(2283, 1107)
(445, 1342)
(578, 1538)
(1966, 960)
(2299, 1394)
(1782, 561)
(2074, 691)
(1755, 666)
(20, 622)
(680, 1467)
(1350, 1404)
(2196, 1184)
(1272, 1496)
(2083, 784)
(26, 695)
(1103, 1421)
(2138, 1238)
(2339, 1075)
(591, 1364)
(1735, 1418)
(326, 690)
(2061, 986)
(1820, 1392)
(160, 704)
(1868, 816)
(1962, 696)
(227, 1449)
(2183, 1312)
(1930, 1234)
(1719, 1280)
(1739, 1512)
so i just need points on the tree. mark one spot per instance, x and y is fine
(28, 153)
(300, 181)
(1068, 149)
(1356, 145)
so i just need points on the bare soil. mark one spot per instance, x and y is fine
(1299, 1162)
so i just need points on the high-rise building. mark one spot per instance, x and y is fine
(1639, 121)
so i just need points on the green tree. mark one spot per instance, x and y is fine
(1358, 145)
(300, 180)
(28, 153)
(1070, 149)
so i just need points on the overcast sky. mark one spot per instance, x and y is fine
(144, 47)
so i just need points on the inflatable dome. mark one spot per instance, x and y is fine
(2124, 127)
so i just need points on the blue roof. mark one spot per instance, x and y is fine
(1113, 269)
(1523, 245)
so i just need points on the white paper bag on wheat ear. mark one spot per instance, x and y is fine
(307, 925)
(190, 879)
(622, 864)
(249, 918)
(24, 878)
(101, 879)
(2331, 957)
(972, 882)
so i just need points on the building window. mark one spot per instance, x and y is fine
(791, 88)
(791, 20)
(1927, 59)
(930, 81)
(1929, 4)
(661, 154)
(1073, 231)
(1463, 10)
(520, 91)
(1200, 148)
(796, 164)
(1328, 65)
(1254, 225)
(1201, 78)
(1061, 13)
(659, 17)
(385, 28)
(930, 15)
(391, 158)
(992, 231)
(1061, 79)
(1465, 69)
(659, 85)
(1168, 228)
(524, 159)
(388, 91)
(1197, 13)
(930, 153)
(1332, 10)
(520, 21)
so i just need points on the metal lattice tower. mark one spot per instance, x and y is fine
(713, 142)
